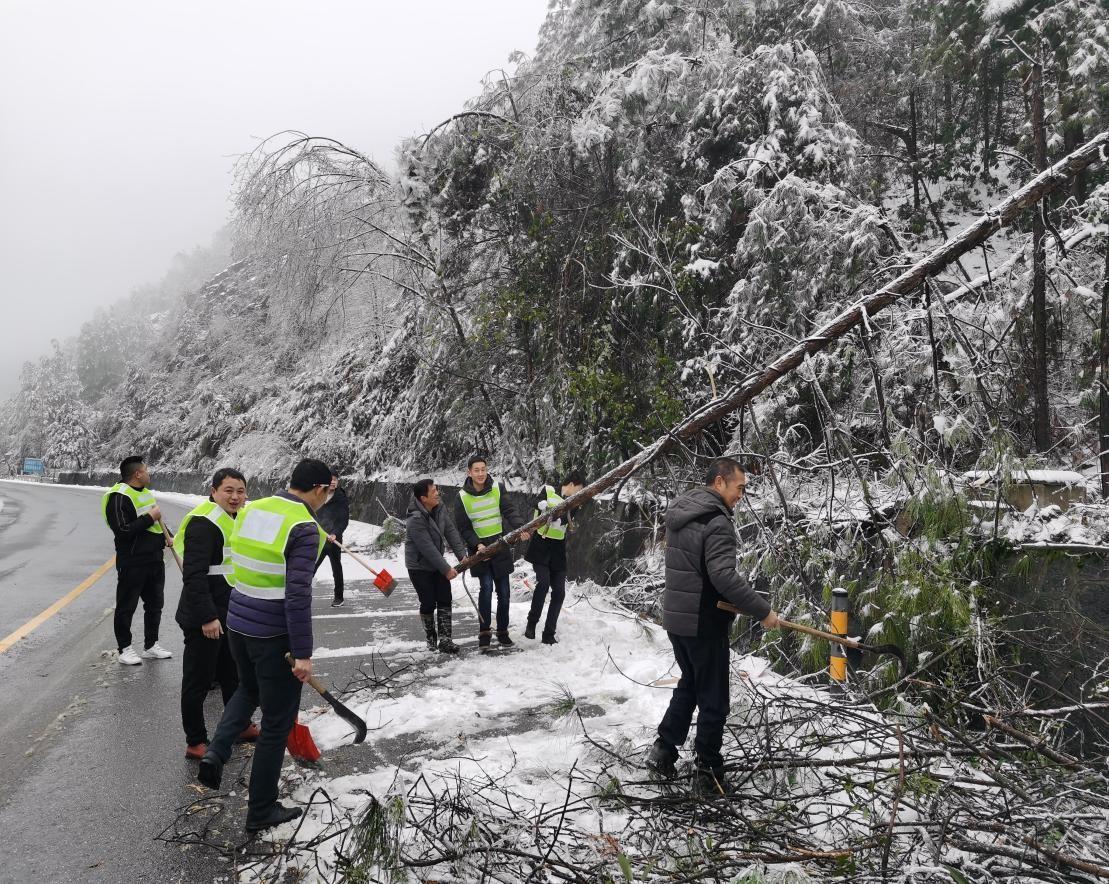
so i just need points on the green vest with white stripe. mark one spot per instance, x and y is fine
(143, 500)
(215, 514)
(484, 510)
(556, 528)
(258, 540)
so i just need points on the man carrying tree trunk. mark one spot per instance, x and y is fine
(547, 554)
(136, 521)
(274, 547)
(427, 529)
(203, 543)
(700, 571)
(481, 514)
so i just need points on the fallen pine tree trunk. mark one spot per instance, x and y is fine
(1003, 213)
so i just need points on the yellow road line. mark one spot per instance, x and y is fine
(34, 623)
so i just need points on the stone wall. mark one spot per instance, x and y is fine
(604, 543)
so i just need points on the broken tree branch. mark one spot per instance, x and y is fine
(971, 237)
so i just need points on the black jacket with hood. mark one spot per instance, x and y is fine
(700, 568)
(502, 563)
(204, 597)
(425, 533)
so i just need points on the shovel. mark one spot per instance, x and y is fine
(892, 650)
(300, 743)
(353, 720)
(383, 580)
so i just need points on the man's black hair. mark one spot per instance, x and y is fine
(129, 466)
(477, 458)
(724, 467)
(421, 487)
(226, 473)
(308, 474)
(574, 477)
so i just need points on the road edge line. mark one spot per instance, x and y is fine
(35, 622)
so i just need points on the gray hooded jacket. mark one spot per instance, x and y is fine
(424, 537)
(700, 568)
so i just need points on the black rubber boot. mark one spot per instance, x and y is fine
(446, 645)
(429, 628)
(483, 638)
(710, 782)
(529, 630)
(549, 639)
(503, 638)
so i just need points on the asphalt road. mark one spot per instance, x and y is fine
(92, 766)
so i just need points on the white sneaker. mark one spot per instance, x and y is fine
(128, 657)
(156, 652)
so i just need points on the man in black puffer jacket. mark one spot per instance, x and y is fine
(700, 571)
(334, 516)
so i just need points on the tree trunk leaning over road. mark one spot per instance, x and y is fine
(971, 237)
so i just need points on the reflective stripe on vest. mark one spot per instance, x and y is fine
(556, 528)
(258, 542)
(484, 510)
(214, 513)
(143, 500)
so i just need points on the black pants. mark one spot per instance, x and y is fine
(332, 552)
(487, 583)
(265, 680)
(204, 659)
(704, 663)
(146, 581)
(432, 589)
(546, 579)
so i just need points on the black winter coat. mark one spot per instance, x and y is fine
(425, 535)
(203, 598)
(134, 544)
(502, 563)
(700, 568)
(334, 516)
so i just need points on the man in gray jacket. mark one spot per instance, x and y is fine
(700, 571)
(427, 527)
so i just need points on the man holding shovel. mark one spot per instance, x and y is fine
(481, 514)
(700, 571)
(203, 545)
(274, 547)
(136, 521)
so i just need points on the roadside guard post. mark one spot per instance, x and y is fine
(837, 660)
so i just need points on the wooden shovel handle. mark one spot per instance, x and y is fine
(361, 561)
(312, 680)
(800, 627)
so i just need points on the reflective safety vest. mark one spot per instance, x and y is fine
(484, 510)
(555, 529)
(214, 513)
(258, 543)
(143, 500)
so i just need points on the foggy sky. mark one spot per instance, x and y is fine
(120, 123)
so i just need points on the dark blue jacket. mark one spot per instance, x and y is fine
(291, 616)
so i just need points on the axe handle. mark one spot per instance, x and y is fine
(176, 558)
(312, 680)
(800, 627)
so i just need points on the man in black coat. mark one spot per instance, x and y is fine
(547, 554)
(202, 610)
(334, 516)
(427, 529)
(700, 571)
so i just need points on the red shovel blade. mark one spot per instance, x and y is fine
(385, 582)
(301, 745)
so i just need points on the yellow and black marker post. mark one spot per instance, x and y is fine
(837, 659)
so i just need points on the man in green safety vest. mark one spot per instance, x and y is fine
(133, 515)
(274, 547)
(203, 544)
(547, 554)
(482, 513)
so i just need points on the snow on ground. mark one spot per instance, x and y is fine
(527, 721)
